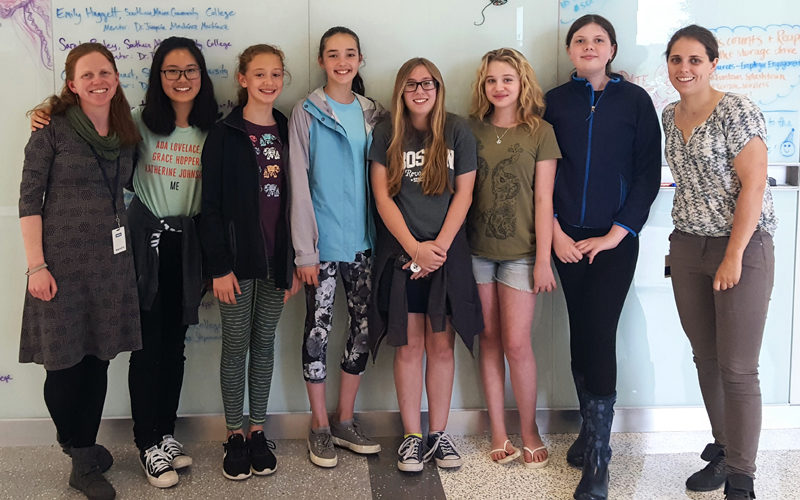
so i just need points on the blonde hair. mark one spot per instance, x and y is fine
(248, 55)
(435, 173)
(530, 104)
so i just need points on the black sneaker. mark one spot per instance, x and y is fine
(175, 452)
(262, 460)
(409, 455)
(712, 476)
(157, 467)
(443, 450)
(235, 461)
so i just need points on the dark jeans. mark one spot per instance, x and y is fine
(75, 397)
(725, 329)
(595, 294)
(155, 375)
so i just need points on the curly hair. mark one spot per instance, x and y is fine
(530, 104)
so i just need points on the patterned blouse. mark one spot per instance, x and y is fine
(706, 182)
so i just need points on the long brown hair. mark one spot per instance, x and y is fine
(530, 104)
(435, 173)
(247, 56)
(119, 118)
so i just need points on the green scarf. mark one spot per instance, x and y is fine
(105, 147)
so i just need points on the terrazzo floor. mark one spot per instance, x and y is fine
(645, 466)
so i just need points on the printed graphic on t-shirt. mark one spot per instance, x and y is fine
(413, 161)
(178, 160)
(267, 150)
(500, 218)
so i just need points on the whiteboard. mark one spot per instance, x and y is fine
(35, 36)
(759, 53)
(391, 32)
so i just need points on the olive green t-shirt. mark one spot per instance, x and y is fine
(500, 221)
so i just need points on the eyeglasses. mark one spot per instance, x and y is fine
(425, 84)
(175, 74)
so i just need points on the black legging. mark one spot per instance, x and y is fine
(595, 294)
(75, 398)
(155, 375)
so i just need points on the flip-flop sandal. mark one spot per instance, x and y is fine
(510, 457)
(535, 465)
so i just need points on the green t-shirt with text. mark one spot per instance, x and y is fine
(168, 175)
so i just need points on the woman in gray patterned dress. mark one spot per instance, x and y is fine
(81, 307)
(721, 252)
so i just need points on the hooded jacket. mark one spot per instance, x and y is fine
(321, 209)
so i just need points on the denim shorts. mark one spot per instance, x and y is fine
(517, 274)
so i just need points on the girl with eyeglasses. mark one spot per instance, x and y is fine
(179, 110)
(422, 174)
(333, 232)
(510, 229)
(247, 250)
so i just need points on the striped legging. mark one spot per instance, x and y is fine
(249, 325)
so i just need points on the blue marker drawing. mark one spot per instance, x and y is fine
(787, 148)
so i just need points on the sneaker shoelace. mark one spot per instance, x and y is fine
(259, 438)
(171, 446)
(445, 443)
(156, 461)
(325, 440)
(357, 431)
(409, 448)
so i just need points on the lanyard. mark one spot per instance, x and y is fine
(111, 190)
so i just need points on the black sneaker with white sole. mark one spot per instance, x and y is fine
(443, 450)
(158, 468)
(409, 455)
(236, 460)
(262, 460)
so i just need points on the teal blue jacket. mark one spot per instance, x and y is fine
(327, 224)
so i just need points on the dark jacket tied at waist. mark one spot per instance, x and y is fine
(453, 291)
(143, 226)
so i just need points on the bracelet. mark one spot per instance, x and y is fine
(36, 269)
(416, 254)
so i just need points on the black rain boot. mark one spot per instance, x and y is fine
(575, 452)
(599, 414)
(739, 487)
(86, 476)
(712, 476)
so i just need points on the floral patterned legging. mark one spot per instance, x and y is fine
(357, 283)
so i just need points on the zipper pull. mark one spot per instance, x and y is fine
(593, 109)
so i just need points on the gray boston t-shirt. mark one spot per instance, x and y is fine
(424, 215)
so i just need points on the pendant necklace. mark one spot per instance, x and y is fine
(500, 137)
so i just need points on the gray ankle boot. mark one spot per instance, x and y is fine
(86, 476)
(599, 416)
(575, 452)
(102, 456)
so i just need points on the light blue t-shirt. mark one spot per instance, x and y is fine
(351, 117)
